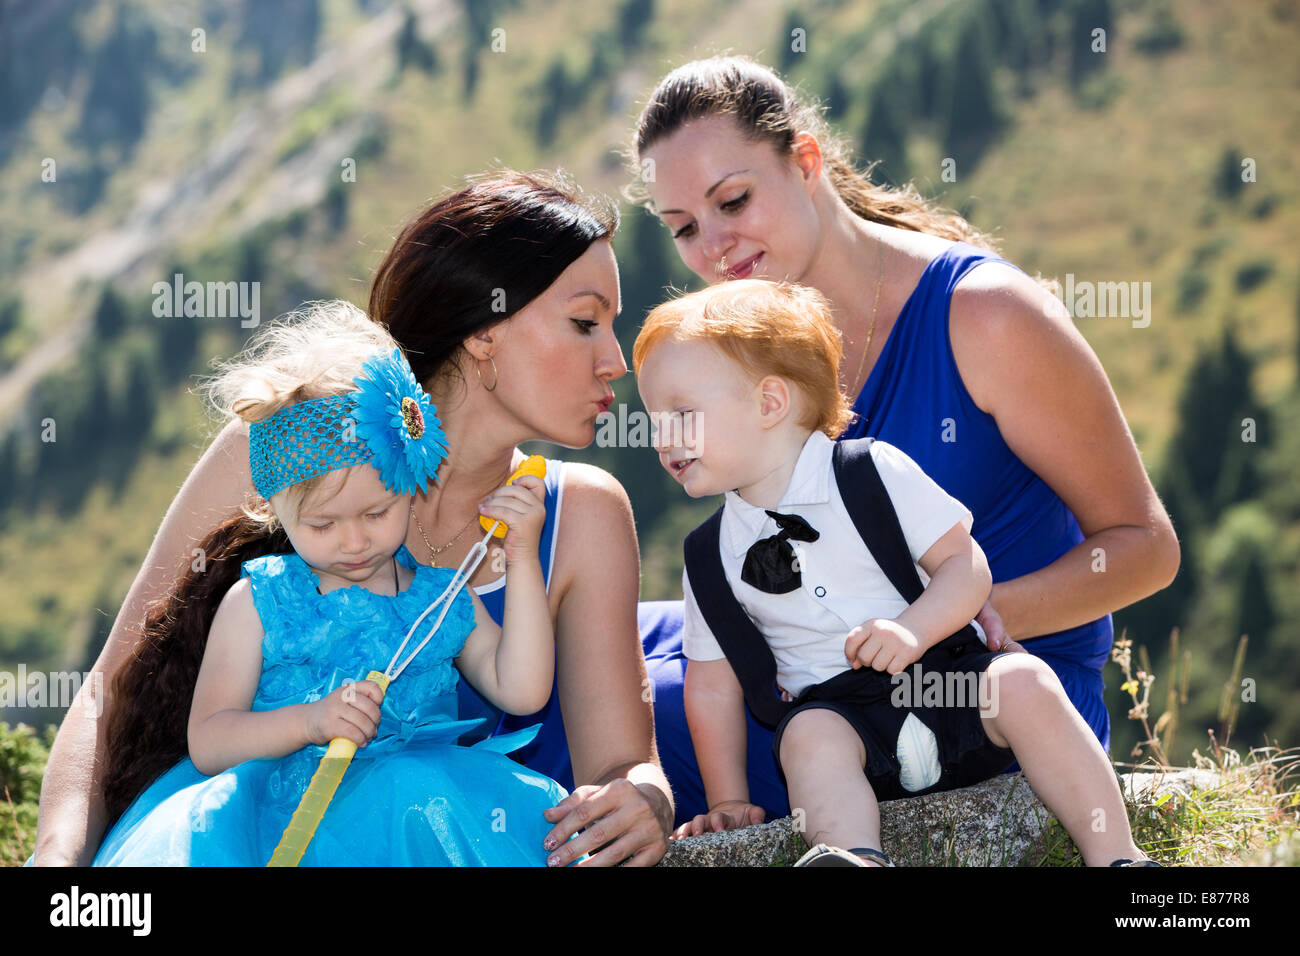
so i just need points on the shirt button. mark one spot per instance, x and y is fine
(820, 591)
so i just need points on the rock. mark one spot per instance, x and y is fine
(999, 822)
(1146, 786)
(994, 823)
(766, 844)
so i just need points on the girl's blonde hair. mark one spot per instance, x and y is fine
(767, 328)
(766, 109)
(312, 352)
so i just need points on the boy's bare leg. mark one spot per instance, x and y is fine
(823, 760)
(1023, 706)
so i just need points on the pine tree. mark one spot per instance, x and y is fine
(411, 50)
(117, 106)
(11, 310)
(1256, 614)
(1087, 16)
(110, 316)
(633, 18)
(1207, 450)
(975, 113)
(136, 408)
(1239, 477)
(885, 137)
(9, 477)
(1297, 336)
(837, 98)
(1228, 182)
(553, 96)
(785, 42)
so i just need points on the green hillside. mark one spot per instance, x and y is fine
(286, 142)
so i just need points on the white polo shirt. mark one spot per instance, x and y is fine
(842, 585)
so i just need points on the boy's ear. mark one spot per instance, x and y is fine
(774, 400)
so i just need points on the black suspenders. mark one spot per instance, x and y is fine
(873, 515)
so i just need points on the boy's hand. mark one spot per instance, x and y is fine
(350, 711)
(521, 506)
(728, 815)
(882, 644)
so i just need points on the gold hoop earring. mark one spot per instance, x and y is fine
(496, 376)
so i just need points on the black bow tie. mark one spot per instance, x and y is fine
(769, 563)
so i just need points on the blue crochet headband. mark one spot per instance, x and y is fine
(388, 422)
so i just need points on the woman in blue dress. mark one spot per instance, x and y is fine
(953, 355)
(336, 470)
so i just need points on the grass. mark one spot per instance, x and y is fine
(1248, 817)
(1251, 814)
(23, 754)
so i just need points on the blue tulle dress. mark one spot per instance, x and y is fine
(412, 796)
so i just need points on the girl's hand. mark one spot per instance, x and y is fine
(350, 711)
(728, 815)
(617, 817)
(991, 621)
(521, 507)
(882, 644)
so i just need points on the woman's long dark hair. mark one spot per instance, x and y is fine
(479, 255)
(152, 692)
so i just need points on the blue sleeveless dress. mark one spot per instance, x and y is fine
(412, 796)
(915, 399)
(549, 748)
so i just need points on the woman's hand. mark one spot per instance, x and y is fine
(728, 815)
(350, 711)
(991, 621)
(606, 696)
(615, 823)
(521, 507)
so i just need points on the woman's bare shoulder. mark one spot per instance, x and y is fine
(596, 523)
(591, 481)
(595, 504)
(1000, 315)
(1024, 362)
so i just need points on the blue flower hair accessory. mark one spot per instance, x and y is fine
(389, 422)
(397, 420)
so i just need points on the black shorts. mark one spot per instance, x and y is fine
(876, 705)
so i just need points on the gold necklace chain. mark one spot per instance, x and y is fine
(434, 552)
(880, 275)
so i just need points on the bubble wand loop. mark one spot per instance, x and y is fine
(311, 808)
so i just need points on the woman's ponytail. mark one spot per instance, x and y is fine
(147, 729)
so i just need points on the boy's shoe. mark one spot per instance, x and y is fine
(824, 855)
(1137, 863)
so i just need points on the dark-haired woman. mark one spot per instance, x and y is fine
(951, 354)
(503, 295)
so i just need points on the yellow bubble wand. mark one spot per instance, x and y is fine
(311, 808)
